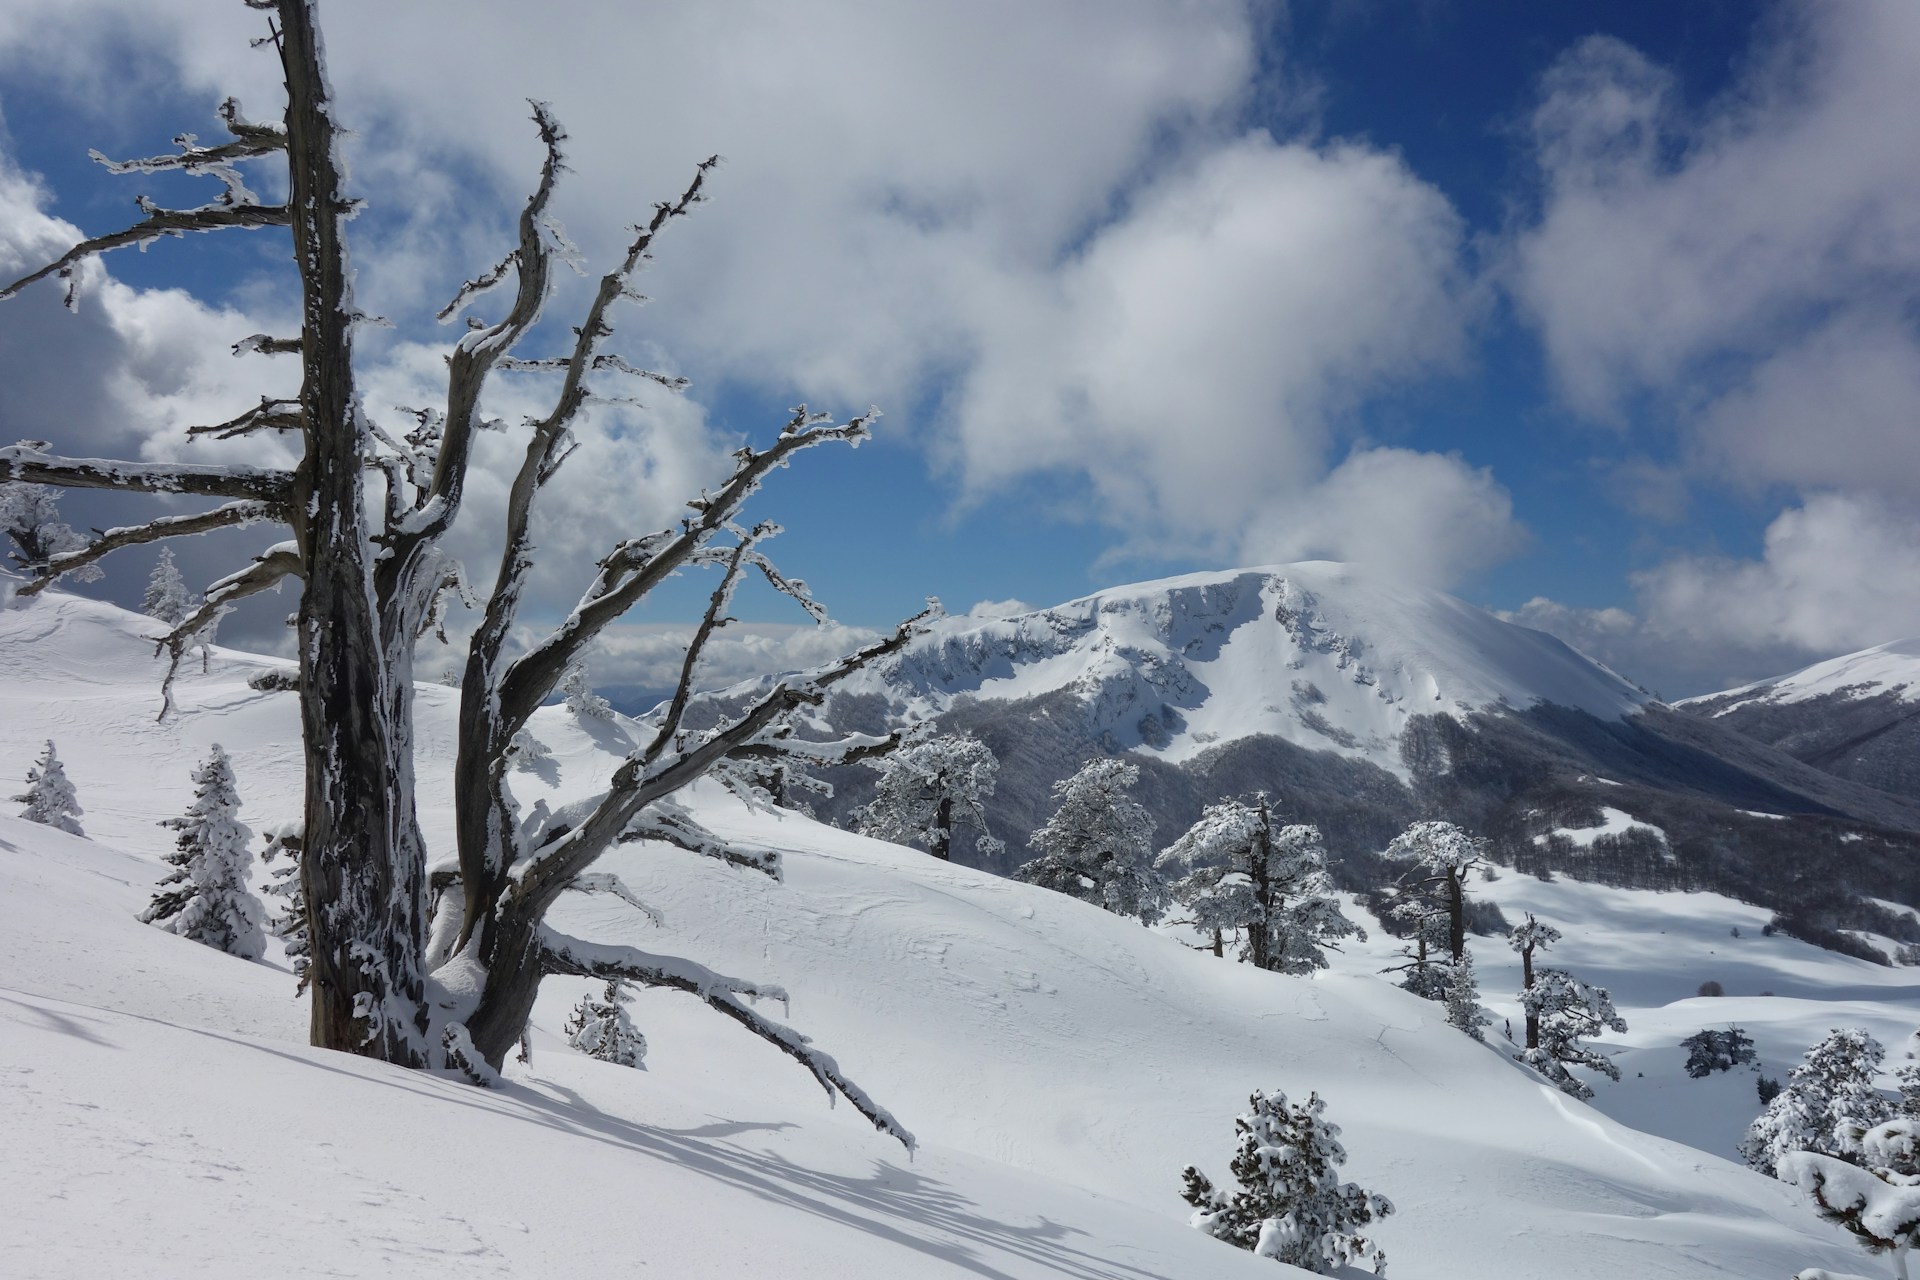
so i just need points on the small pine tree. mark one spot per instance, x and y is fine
(526, 751)
(167, 597)
(1463, 999)
(30, 516)
(600, 1028)
(1291, 1205)
(289, 923)
(581, 700)
(49, 798)
(1567, 1011)
(927, 790)
(210, 902)
(1098, 845)
(1242, 874)
(1828, 1100)
(1710, 1050)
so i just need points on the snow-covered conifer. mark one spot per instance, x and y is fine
(1829, 1099)
(1463, 999)
(1712, 1050)
(49, 798)
(1291, 1205)
(1098, 845)
(210, 901)
(1874, 1192)
(30, 516)
(167, 596)
(929, 788)
(1527, 938)
(1566, 1011)
(526, 751)
(289, 923)
(1441, 855)
(1241, 874)
(581, 699)
(600, 1028)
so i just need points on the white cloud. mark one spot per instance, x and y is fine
(1050, 215)
(1838, 573)
(1751, 267)
(1424, 517)
(649, 655)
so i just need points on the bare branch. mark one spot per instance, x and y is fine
(159, 222)
(636, 567)
(28, 462)
(671, 824)
(269, 415)
(849, 750)
(608, 883)
(266, 345)
(711, 621)
(564, 955)
(269, 569)
(250, 141)
(232, 515)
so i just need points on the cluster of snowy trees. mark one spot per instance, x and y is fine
(1854, 1153)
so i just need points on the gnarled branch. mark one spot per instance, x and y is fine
(269, 569)
(29, 463)
(564, 955)
(159, 222)
(233, 515)
(269, 415)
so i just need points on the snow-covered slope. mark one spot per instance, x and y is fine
(1892, 668)
(1317, 654)
(1059, 1064)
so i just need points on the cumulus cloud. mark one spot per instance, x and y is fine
(1053, 217)
(648, 656)
(1425, 517)
(1836, 574)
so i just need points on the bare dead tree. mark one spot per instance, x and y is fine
(386, 927)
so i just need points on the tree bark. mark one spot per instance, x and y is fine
(940, 838)
(1533, 1017)
(362, 870)
(1456, 915)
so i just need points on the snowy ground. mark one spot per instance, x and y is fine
(1059, 1064)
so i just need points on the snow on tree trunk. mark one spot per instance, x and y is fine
(49, 798)
(209, 901)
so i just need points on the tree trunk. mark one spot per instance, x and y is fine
(362, 866)
(1259, 934)
(1218, 949)
(940, 838)
(1456, 915)
(1533, 1016)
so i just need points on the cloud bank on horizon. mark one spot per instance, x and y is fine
(1109, 267)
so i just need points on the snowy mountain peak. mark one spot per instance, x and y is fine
(1316, 653)
(1888, 668)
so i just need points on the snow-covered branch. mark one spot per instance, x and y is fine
(29, 462)
(158, 222)
(608, 883)
(269, 415)
(269, 569)
(671, 824)
(233, 515)
(571, 956)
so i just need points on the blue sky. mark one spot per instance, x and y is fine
(1603, 316)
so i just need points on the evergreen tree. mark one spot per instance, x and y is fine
(600, 1028)
(30, 517)
(210, 902)
(1098, 845)
(1568, 1011)
(1269, 885)
(1873, 1192)
(1709, 1051)
(1291, 1205)
(1527, 938)
(928, 789)
(167, 596)
(1440, 856)
(1424, 966)
(49, 797)
(1829, 1099)
(581, 700)
(1463, 999)
(289, 923)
